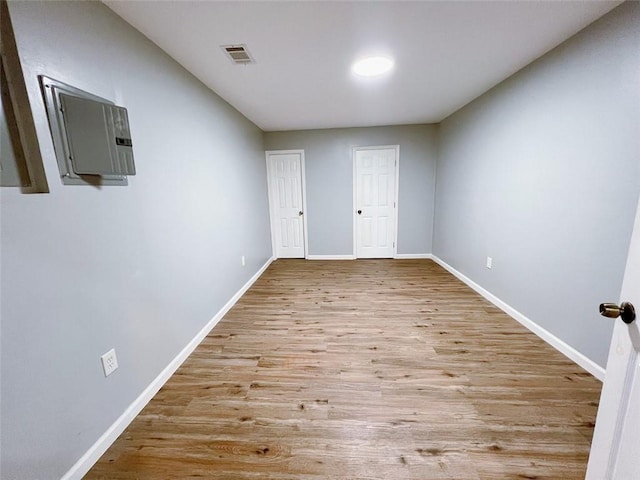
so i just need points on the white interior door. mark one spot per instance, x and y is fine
(286, 200)
(375, 173)
(615, 449)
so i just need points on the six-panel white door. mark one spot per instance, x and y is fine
(375, 202)
(286, 203)
(615, 449)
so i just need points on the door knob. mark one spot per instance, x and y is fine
(300, 213)
(624, 311)
(359, 212)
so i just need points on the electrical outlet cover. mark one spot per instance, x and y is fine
(109, 362)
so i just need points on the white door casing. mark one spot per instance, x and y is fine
(375, 201)
(287, 203)
(615, 448)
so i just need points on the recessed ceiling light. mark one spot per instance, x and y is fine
(372, 66)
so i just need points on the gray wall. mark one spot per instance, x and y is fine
(329, 183)
(542, 174)
(140, 268)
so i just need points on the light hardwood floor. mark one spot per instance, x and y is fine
(368, 369)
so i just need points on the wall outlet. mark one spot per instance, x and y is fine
(109, 362)
(242, 260)
(489, 262)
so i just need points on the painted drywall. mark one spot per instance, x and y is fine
(329, 183)
(542, 174)
(140, 268)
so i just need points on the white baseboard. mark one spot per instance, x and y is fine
(567, 350)
(82, 466)
(352, 257)
(408, 256)
(330, 257)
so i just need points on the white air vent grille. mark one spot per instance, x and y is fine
(238, 54)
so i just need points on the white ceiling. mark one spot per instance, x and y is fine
(446, 53)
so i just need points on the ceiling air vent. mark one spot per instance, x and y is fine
(238, 54)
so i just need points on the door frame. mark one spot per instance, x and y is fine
(271, 197)
(396, 186)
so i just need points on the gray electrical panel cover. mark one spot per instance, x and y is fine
(98, 136)
(91, 136)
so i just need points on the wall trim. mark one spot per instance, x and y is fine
(84, 464)
(413, 256)
(331, 257)
(564, 348)
(397, 256)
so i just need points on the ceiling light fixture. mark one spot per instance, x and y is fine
(372, 66)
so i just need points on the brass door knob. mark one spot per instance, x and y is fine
(626, 311)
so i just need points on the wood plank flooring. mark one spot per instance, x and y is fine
(368, 369)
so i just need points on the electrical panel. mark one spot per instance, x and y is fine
(91, 136)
